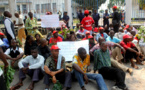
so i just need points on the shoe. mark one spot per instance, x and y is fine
(116, 88)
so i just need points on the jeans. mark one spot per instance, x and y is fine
(98, 77)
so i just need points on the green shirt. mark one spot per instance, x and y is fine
(101, 59)
(52, 64)
(30, 23)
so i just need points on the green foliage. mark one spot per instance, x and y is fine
(141, 33)
(9, 76)
(64, 32)
(89, 4)
(57, 86)
(142, 4)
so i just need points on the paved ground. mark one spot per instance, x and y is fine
(135, 82)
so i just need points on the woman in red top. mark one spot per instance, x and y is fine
(87, 22)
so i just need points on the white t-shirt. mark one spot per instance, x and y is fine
(20, 21)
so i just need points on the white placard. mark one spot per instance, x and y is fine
(49, 21)
(70, 48)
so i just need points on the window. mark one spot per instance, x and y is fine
(18, 8)
(24, 8)
(37, 8)
(54, 8)
(45, 8)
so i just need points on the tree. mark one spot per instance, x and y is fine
(142, 4)
(115, 2)
(90, 4)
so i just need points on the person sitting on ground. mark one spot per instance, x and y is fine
(87, 35)
(106, 29)
(81, 62)
(127, 29)
(120, 34)
(43, 49)
(77, 27)
(55, 68)
(131, 51)
(37, 37)
(81, 32)
(116, 52)
(67, 37)
(14, 54)
(6, 45)
(28, 44)
(31, 65)
(53, 40)
(111, 38)
(102, 63)
(101, 34)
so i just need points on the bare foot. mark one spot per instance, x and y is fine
(130, 71)
(136, 67)
(17, 86)
(31, 86)
(139, 63)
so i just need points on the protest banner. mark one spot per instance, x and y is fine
(69, 48)
(49, 21)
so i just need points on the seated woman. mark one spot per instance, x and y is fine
(28, 44)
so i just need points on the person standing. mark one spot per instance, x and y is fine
(66, 19)
(106, 19)
(59, 13)
(24, 23)
(21, 29)
(9, 26)
(31, 25)
(116, 19)
(96, 18)
(81, 15)
(87, 22)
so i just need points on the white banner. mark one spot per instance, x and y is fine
(70, 48)
(49, 21)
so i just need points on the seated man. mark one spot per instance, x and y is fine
(4, 46)
(114, 53)
(111, 38)
(14, 54)
(31, 65)
(102, 63)
(120, 34)
(87, 35)
(81, 32)
(55, 69)
(131, 51)
(43, 49)
(101, 34)
(53, 40)
(81, 62)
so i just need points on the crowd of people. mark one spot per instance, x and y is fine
(110, 46)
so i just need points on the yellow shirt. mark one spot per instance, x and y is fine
(82, 64)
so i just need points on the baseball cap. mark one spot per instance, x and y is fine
(54, 32)
(126, 27)
(126, 36)
(1, 33)
(90, 36)
(101, 28)
(115, 7)
(54, 47)
(86, 12)
(87, 32)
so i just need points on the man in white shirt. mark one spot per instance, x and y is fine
(9, 26)
(21, 29)
(30, 65)
(14, 54)
(2, 57)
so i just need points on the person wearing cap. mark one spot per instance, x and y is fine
(120, 34)
(131, 51)
(106, 19)
(102, 63)
(66, 19)
(111, 38)
(116, 19)
(87, 35)
(87, 22)
(21, 29)
(96, 17)
(81, 63)
(31, 25)
(80, 33)
(5, 41)
(55, 68)
(32, 66)
(55, 38)
(127, 29)
(101, 34)
(81, 15)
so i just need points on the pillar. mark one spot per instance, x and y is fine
(128, 11)
(12, 8)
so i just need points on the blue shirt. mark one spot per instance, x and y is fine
(115, 40)
(6, 43)
(99, 35)
(105, 19)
